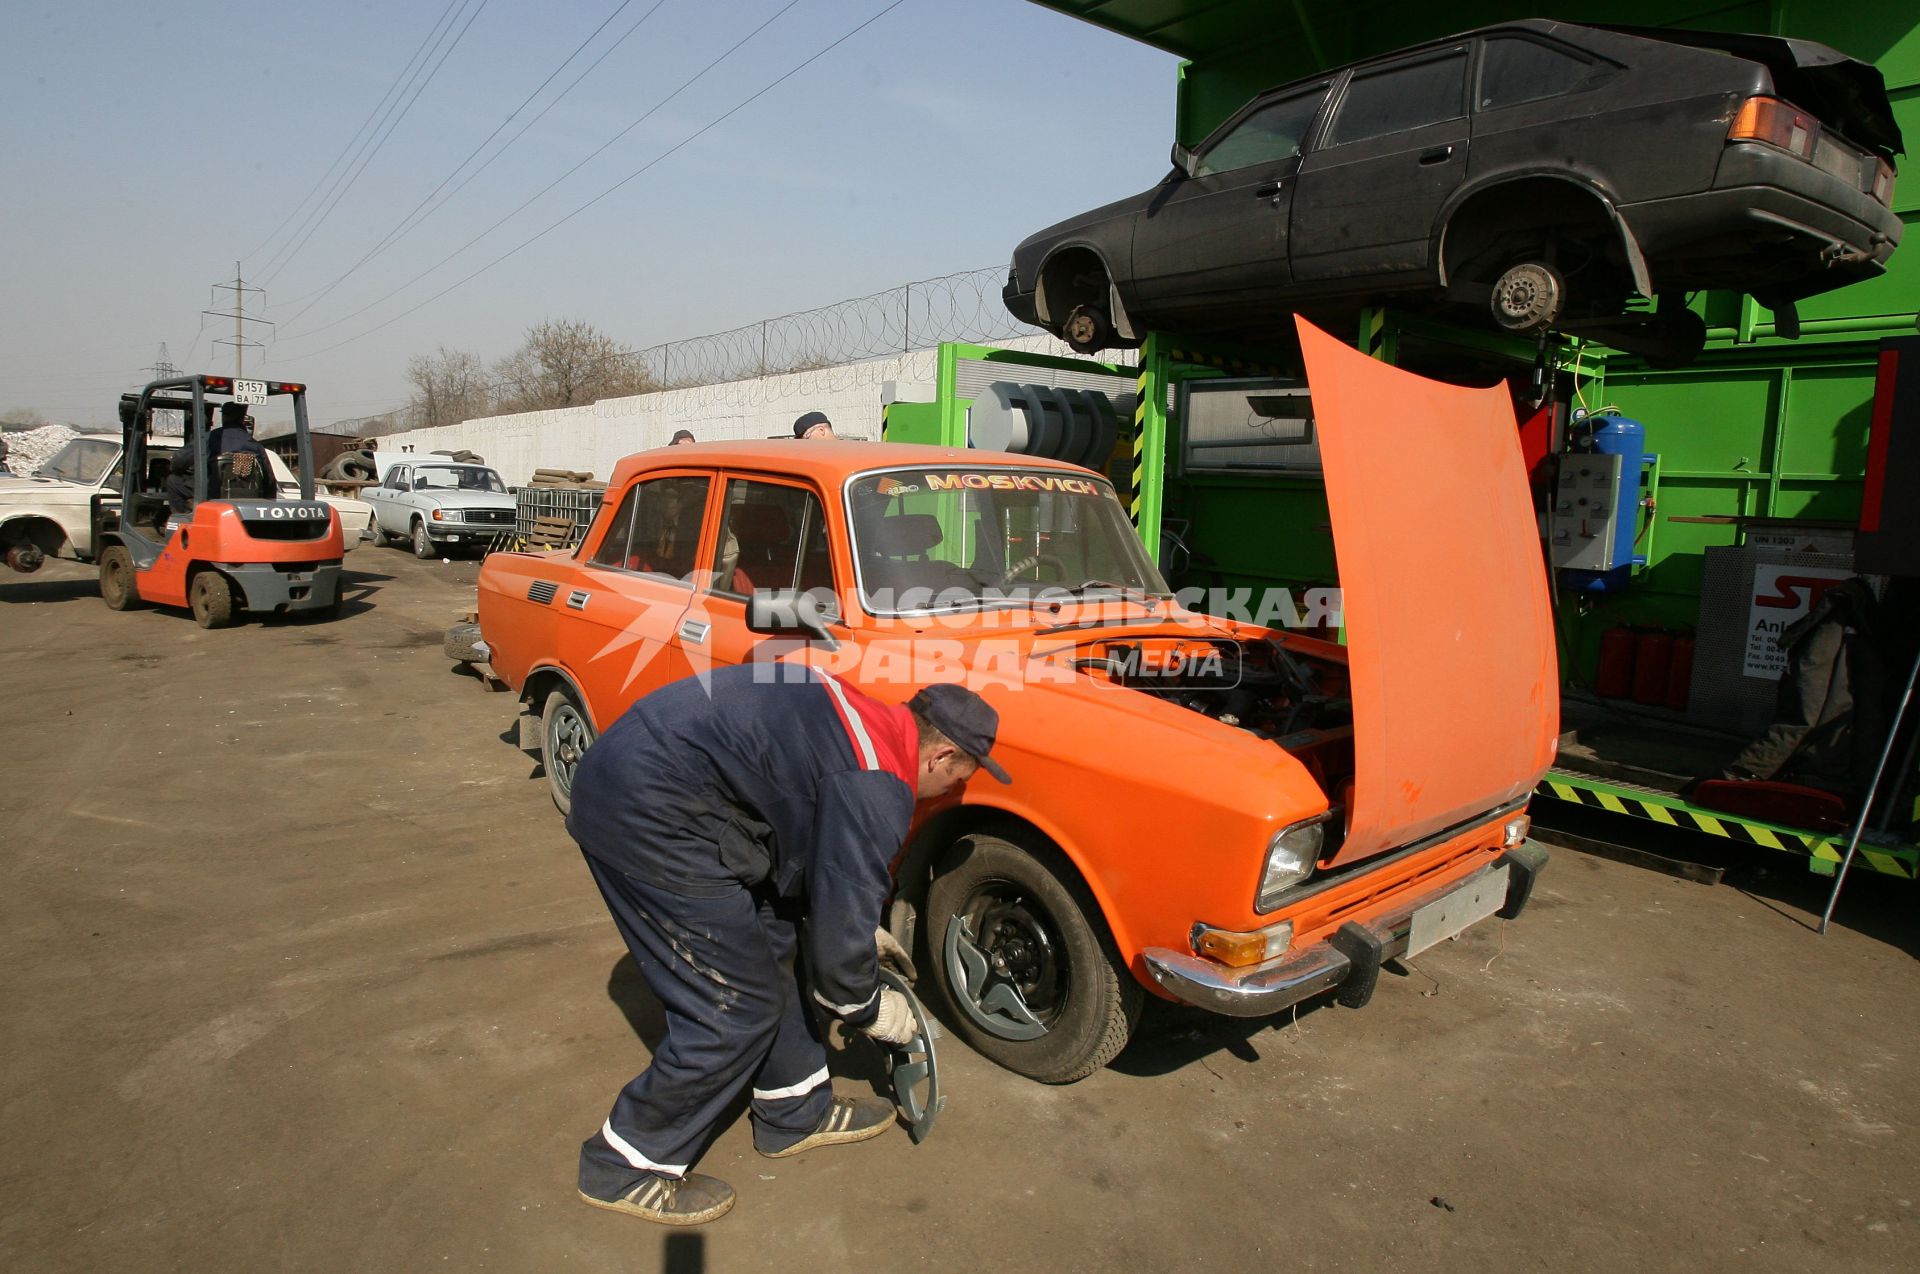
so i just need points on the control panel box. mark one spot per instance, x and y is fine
(1588, 502)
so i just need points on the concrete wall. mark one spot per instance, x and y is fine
(594, 437)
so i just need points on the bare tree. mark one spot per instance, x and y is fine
(566, 362)
(450, 386)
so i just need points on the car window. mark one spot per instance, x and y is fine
(1400, 98)
(1516, 70)
(771, 536)
(656, 529)
(957, 539)
(613, 549)
(83, 460)
(1273, 132)
(446, 477)
(397, 479)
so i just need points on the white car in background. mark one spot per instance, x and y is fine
(50, 513)
(436, 505)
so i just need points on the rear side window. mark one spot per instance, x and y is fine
(1516, 71)
(1400, 98)
(1272, 133)
(656, 529)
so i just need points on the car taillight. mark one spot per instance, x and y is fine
(1770, 120)
(1883, 184)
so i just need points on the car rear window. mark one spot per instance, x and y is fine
(1400, 98)
(1273, 132)
(1516, 71)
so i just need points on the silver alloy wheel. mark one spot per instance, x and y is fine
(567, 738)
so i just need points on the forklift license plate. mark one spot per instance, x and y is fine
(1445, 917)
(249, 391)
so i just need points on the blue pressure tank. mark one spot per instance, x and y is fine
(1613, 436)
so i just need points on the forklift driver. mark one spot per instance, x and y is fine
(237, 464)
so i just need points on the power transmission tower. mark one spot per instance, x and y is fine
(240, 341)
(163, 368)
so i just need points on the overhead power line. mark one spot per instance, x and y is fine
(677, 146)
(405, 73)
(686, 84)
(415, 217)
(376, 143)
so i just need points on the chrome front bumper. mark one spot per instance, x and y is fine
(1350, 960)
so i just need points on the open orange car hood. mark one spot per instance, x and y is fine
(1456, 700)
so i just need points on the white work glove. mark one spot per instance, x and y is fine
(894, 1023)
(888, 949)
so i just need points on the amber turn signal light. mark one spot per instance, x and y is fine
(1770, 120)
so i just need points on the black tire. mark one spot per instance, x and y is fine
(1041, 991)
(210, 597)
(566, 732)
(1087, 329)
(422, 542)
(119, 582)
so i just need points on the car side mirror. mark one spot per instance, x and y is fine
(788, 612)
(1183, 158)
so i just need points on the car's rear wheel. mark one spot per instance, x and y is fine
(1528, 297)
(1087, 329)
(119, 584)
(1022, 959)
(210, 597)
(565, 736)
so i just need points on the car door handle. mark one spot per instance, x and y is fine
(1268, 189)
(694, 630)
(1436, 155)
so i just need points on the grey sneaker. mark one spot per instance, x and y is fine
(848, 1119)
(689, 1200)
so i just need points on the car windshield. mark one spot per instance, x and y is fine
(457, 477)
(84, 460)
(952, 538)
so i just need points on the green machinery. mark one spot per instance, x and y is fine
(1757, 428)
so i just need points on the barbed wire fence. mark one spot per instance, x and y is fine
(965, 306)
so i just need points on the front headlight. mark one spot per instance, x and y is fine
(446, 515)
(1291, 855)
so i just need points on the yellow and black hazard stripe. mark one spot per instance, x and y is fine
(1823, 851)
(1139, 441)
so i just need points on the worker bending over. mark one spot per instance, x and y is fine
(714, 818)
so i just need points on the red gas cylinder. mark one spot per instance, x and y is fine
(1652, 656)
(1680, 674)
(1615, 677)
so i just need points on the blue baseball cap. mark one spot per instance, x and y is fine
(964, 717)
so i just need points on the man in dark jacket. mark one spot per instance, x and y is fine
(714, 817)
(245, 471)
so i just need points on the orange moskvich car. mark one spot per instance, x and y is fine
(1231, 815)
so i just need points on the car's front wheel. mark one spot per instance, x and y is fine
(422, 542)
(1023, 961)
(565, 736)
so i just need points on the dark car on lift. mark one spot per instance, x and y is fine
(1547, 171)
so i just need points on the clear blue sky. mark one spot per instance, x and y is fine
(147, 146)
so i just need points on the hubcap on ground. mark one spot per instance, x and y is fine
(1006, 963)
